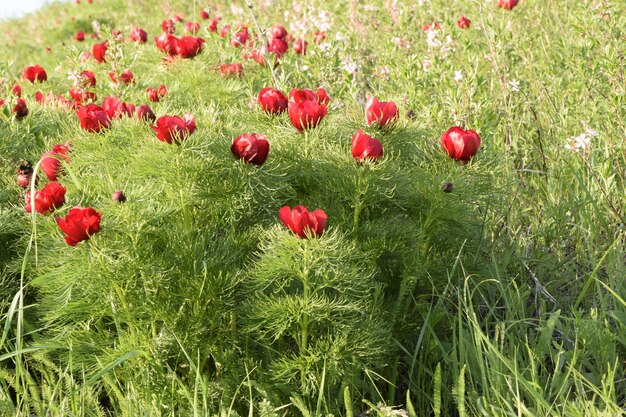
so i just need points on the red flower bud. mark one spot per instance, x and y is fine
(93, 118)
(138, 35)
(155, 94)
(51, 161)
(366, 147)
(380, 112)
(20, 109)
(79, 36)
(277, 46)
(252, 148)
(240, 38)
(24, 174)
(306, 108)
(303, 223)
(213, 25)
(34, 73)
(173, 128)
(99, 51)
(463, 23)
(278, 32)
(300, 46)
(272, 101)
(118, 197)
(145, 113)
(168, 26)
(116, 108)
(507, 4)
(192, 27)
(460, 144)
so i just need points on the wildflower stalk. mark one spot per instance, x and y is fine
(264, 45)
(603, 191)
(361, 189)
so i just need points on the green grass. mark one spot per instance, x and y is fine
(502, 298)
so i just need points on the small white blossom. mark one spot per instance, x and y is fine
(427, 64)
(340, 37)
(514, 84)
(458, 75)
(582, 141)
(349, 65)
(236, 10)
(325, 46)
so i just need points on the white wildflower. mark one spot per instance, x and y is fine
(514, 84)
(349, 65)
(340, 37)
(458, 75)
(236, 10)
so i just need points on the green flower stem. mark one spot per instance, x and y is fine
(361, 189)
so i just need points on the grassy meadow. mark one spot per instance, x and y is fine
(438, 288)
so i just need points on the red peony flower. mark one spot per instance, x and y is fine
(279, 32)
(366, 147)
(80, 95)
(93, 118)
(303, 223)
(432, 26)
(137, 34)
(166, 42)
(99, 51)
(79, 36)
(306, 108)
(47, 199)
(34, 73)
(126, 77)
(145, 113)
(189, 46)
(380, 112)
(51, 161)
(319, 37)
(192, 27)
(225, 31)
(79, 224)
(463, 23)
(272, 101)
(252, 148)
(20, 109)
(116, 108)
(155, 94)
(168, 26)
(173, 128)
(507, 4)
(460, 144)
(277, 46)
(300, 46)
(17, 90)
(88, 79)
(235, 70)
(240, 38)
(213, 25)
